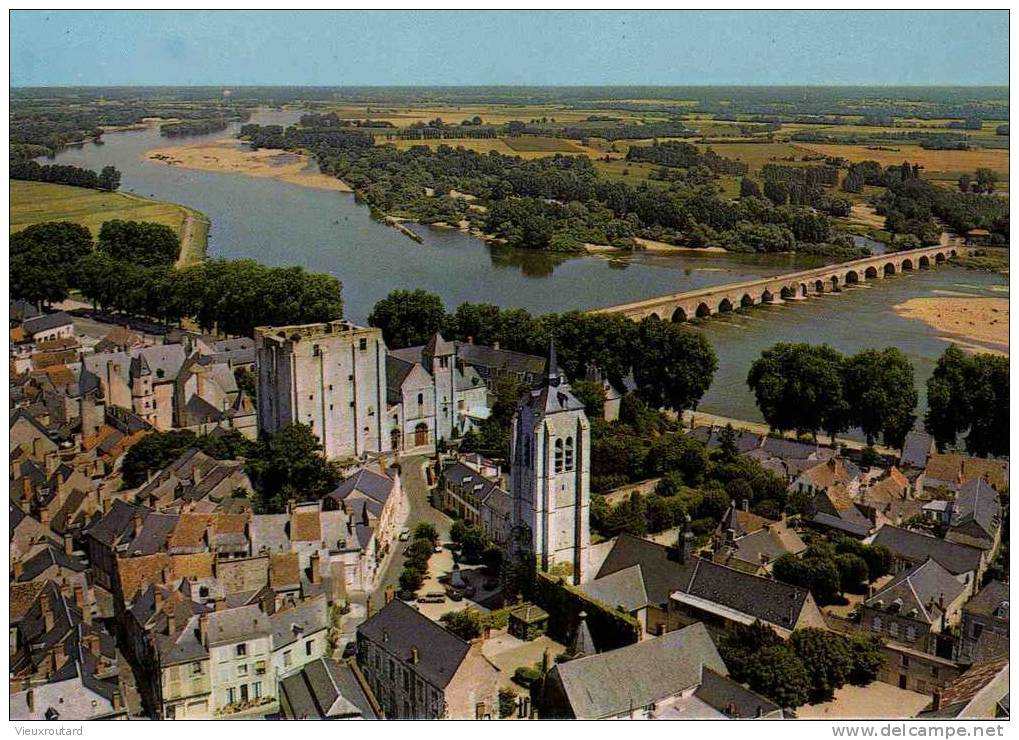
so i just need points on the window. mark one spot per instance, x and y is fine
(362, 344)
(569, 453)
(893, 629)
(934, 671)
(244, 692)
(443, 362)
(256, 689)
(242, 670)
(421, 398)
(921, 687)
(196, 669)
(527, 451)
(876, 624)
(904, 661)
(558, 456)
(231, 695)
(242, 649)
(307, 647)
(260, 667)
(976, 629)
(286, 659)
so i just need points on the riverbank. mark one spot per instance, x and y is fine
(229, 156)
(37, 202)
(975, 323)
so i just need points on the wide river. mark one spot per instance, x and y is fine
(281, 223)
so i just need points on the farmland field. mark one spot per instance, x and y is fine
(541, 144)
(35, 202)
(930, 159)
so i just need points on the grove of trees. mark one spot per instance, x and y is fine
(968, 395)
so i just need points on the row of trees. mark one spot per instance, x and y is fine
(47, 259)
(910, 206)
(107, 179)
(808, 668)
(968, 395)
(193, 127)
(809, 388)
(830, 569)
(675, 368)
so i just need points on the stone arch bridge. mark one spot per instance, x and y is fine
(723, 299)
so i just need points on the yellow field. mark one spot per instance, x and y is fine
(931, 160)
(489, 114)
(35, 202)
(756, 155)
(526, 147)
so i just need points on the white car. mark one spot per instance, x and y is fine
(404, 535)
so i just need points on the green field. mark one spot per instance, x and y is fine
(35, 202)
(541, 144)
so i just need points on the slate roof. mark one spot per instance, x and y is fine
(235, 625)
(502, 360)
(990, 601)
(297, 622)
(47, 321)
(977, 502)
(917, 547)
(397, 371)
(920, 588)
(48, 557)
(397, 628)
(328, 689)
(373, 484)
(761, 598)
(618, 681)
(916, 448)
(661, 575)
(623, 588)
(731, 698)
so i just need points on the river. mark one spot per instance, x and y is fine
(281, 223)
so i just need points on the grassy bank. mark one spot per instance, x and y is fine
(36, 202)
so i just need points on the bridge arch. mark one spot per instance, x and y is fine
(787, 293)
(819, 286)
(803, 290)
(654, 315)
(939, 258)
(952, 254)
(703, 311)
(725, 306)
(907, 265)
(870, 273)
(889, 268)
(852, 277)
(767, 296)
(679, 315)
(746, 301)
(835, 283)
(924, 262)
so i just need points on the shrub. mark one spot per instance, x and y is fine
(507, 702)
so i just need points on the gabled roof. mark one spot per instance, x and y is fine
(619, 681)
(732, 699)
(916, 449)
(923, 588)
(397, 628)
(623, 588)
(761, 598)
(397, 371)
(372, 484)
(234, 625)
(991, 601)
(977, 503)
(917, 547)
(47, 321)
(47, 558)
(661, 574)
(957, 695)
(328, 689)
(297, 622)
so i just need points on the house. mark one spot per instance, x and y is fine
(239, 642)
(979, 693)
(835, 509)
(374, 496)
(947, 471)
(826, 474)
(194, 481)
(985, 622)
(679, 675)
(910, 548)
(890, 500)
(299, 635)
(478, 500)
(419, 670)
(752, 543)
(48, 327)
(29, 439)
(916, 450)
(328, 689)
(917, 607)
(141, 380)
(976, 516)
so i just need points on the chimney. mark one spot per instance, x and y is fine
(936, 700)
(470, 340)
(44, 516)
(390, 594)
(171, 623)
(138, 522)
(291, 503)
(47, 614)
(546, 660)
(203, 629)
(746, 504)
(158, 597)
(495, 345)
(68, 544)
(118, 701)
(316, 576)
(26, 492)
(414, 655)
(79, 596)
(220, 603)
(19, 568)
(30, 699)
(86, 614)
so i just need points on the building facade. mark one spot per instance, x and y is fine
(550, 475)
(330, 377)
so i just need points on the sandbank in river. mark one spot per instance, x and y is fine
(975, 323)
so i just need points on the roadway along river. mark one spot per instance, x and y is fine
(281, 223)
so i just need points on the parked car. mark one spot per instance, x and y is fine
(438, 548)
(432, 597)
(350, 649)
(406, 595)
(404, 535)
(456, 596)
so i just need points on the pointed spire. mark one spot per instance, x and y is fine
(583, 643)
(552, 374)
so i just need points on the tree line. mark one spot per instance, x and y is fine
(809, 388)
(193, 127)
(968, 395)
(107, 179)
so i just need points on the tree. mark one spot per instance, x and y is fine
(749, 188)
(109, 178)
(779, 674)
(290, 464)
(44, 260)
(675, 365)
(507, 702)
(969, 394)
(139, 242)
(799, 387)
(465, 623)
(727, 450)
(986, 180)
(592, 395)
(411, 580)
(408, 318)
(867, 656)
(818, 574)
(426, 531)
(881, 393)
(152, 453)
(827, 659)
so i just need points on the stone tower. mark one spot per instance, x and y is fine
(550, 475)
(439, 359)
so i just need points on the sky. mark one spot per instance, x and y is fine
(509, 48)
